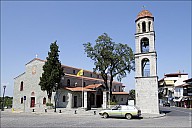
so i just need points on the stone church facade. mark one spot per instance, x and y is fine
(76, 91)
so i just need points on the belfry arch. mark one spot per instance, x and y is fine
(144, 45)
(145, 67)
(143, 26)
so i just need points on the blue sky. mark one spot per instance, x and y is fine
(28, 28)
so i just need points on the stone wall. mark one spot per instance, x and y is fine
(147, 95)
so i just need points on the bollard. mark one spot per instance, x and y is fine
(94, 112)
(59, 111)
(75, 111)
(33, 110)
(45, 110)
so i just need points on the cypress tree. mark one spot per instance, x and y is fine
(53, 71)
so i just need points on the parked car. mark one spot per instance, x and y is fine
(166, 104)
(126, 111)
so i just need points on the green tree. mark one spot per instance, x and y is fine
(7, 101)
(111, 58)
(132, 94)
(53, 71)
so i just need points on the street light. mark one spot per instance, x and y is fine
(56, 88)
(3, 98)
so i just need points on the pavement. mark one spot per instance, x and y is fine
(78, 111)
(148, 115)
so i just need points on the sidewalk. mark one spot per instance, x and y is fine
(80, 112)
(73, 111)
(148, 115)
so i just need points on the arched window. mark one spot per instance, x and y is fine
(138, 28)
(63, 98)
(44, 100)
(73, 71)
(145, 67)
(21, 86)
(32, 94)
(68, 82)
(21, 100)
(143, 26)
(149, 25)
(144, 45)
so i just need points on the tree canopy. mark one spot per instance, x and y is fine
(132, 94)
(110, 59)
(53, 71)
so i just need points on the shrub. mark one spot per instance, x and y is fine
(113, 103)
(49, 104)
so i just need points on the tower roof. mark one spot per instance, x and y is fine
(144, 13)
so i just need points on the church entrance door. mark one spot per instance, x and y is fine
(32, 102)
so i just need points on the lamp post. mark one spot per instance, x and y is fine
(3, 98)
(56, 88)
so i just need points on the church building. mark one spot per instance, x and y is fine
(84, 91)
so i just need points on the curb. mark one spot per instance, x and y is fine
(154, 116)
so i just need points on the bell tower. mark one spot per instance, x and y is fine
(146, 80)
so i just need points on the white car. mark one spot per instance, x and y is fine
(126, 111)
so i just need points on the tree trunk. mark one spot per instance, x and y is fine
(106, 85)
(111, 83)
(49, 94)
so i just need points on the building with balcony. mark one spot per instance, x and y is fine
(183, 94)
(170, 87)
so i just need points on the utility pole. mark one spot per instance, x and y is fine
(3, 98)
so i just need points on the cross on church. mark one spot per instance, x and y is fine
(144, 7)
(36, 56)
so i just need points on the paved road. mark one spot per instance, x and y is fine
(176, 111)
(175, 117)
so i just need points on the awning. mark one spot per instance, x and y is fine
(168, 82)
(177, 99)
(184, 98)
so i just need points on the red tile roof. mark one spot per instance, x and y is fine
(120, 93)
(71, 75)
(144, 13)
(78, 89)
(92, 86)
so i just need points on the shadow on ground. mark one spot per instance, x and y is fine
(133, 118)
(164, 111)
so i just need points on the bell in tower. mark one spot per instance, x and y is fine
(146, 81)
